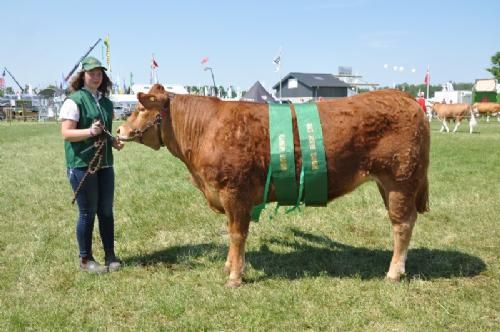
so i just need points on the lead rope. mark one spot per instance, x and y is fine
(94, 165)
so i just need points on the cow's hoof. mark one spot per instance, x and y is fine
(233, 283)
(394, 278)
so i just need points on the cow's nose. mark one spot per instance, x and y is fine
(118, 130)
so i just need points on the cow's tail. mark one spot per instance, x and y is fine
(422, 199)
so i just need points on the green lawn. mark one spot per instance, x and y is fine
(321, 269)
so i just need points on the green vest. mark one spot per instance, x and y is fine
(79, 154)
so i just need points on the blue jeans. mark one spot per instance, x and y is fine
(95, 197)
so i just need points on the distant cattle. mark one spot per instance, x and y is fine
(456, 112)
(487, 109)
(381, 136)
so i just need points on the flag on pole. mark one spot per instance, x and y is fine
(3, 74)
(154, 74)
(154, 64)
(204, 60)
(427, 81)
(277, 60)
(108, 53)
(427, 78)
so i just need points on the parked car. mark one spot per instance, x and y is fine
(122, 111)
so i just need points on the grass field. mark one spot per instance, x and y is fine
(321, 269)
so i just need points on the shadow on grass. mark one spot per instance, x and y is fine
(312, 255)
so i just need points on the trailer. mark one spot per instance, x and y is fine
(485, 91)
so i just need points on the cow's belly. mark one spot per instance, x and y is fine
(341, 185)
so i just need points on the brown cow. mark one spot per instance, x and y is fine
(487, 109)
(455, 112)
(381, 136)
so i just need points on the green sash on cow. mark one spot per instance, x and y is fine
(313, 182)
(313, 155)
(282, 154)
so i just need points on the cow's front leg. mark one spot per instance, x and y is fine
(238, 231)
(457, 124)
(444, 126)
(403, 215)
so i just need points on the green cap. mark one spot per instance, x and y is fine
(90, 63)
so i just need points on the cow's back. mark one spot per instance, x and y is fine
(486, 107)
(451, 110)
(377, 134)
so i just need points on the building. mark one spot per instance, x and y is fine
(449, 95)
(452, 97)
(355, 81)
(302, 87)
(257, 93)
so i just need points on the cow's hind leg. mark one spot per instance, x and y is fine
(238, 225)
(457, 124)
(403, 214)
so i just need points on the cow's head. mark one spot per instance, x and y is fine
(144, 124)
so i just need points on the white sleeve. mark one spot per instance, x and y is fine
(69, 111)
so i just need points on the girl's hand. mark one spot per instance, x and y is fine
(95, 128)
(117, 144)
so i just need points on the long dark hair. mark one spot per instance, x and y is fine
(78, 81)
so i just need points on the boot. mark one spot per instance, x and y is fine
(89, 264)
(113, 263)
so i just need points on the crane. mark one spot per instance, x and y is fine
(12, 76)
(79, 61)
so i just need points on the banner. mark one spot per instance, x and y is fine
(108, 52)
(282, 154)
(313, 154)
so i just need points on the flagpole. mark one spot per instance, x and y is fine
(213, 79)
(151, 79)
(277, 62)
(428, 81)
(279, 75)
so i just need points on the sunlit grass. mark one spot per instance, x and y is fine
(321, 269)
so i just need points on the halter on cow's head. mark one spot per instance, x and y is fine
(144, 124)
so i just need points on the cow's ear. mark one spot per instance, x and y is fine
(140, 97)
(147, 100)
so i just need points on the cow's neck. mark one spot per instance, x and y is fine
(189, 118)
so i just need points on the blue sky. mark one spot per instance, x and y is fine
(41, 40)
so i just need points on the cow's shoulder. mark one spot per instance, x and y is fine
(236, 145)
